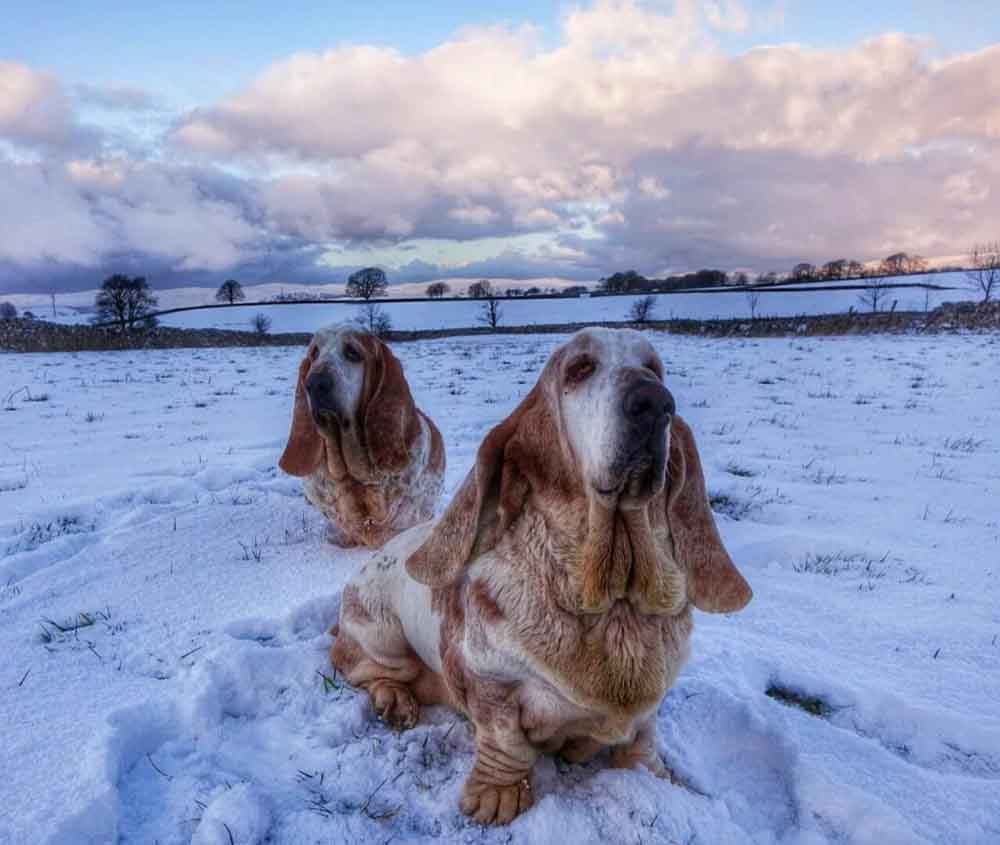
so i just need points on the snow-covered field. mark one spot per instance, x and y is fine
(165, 594)
(773, 302)
(462, 314)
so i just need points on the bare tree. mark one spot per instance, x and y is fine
(804, 271)
(895, 264)
(753, 300)
(836, 269)
(876, 292)
(230, 291)
(983, 274)
(367, 283)
(479, 289)
(261, 323)
(8, 311)
(642, 309)
(124, 301)
(375, 319)
(490, 312)
(436, 290)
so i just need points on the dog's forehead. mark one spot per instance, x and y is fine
(614, 347)
(330, 337)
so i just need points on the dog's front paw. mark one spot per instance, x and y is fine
(394, 704)
(489, 803)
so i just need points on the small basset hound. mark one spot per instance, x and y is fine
(371, 461)
(552, 602)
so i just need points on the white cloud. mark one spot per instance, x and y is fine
(34, 109)
(86, 211)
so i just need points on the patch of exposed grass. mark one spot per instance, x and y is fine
(38, 533)
(733, 468)
(254, 551)
(841, 562)
(9, 485)
(811, 704)
(9, 590)
(827, 477)
(870, 570)
(967, 445)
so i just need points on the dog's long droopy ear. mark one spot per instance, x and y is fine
(390, 416)
(489, 500)
(304, 449)
(715, 585)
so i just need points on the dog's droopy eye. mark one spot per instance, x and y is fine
(580, 369)
(352, 353)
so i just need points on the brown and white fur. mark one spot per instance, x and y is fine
(551, 603)
(372, 462)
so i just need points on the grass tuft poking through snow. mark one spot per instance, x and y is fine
(811, 704)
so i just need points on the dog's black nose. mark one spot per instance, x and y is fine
(647, 403)
(319, 386)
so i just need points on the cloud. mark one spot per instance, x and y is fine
(84, 212)
(118, 98)
(632, 140)
(523, 134)
(772, 208)
(35, 111)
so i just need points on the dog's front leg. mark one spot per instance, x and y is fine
(641, 751)
(499, 787)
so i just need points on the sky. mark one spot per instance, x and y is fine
(192, 142)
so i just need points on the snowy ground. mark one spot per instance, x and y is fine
(773, 302)
(165, 594)
(698, 306)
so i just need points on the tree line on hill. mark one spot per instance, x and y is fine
(127, 301)
(897, 264)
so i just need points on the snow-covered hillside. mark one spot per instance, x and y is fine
(463, 314)
(71, 305)
(165, 595)
(773, 302)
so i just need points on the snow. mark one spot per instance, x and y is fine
(855, 480)
(446, 314)
(453, 314)
(78, 306)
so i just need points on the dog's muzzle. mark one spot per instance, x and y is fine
(322, 396)
(647, 408)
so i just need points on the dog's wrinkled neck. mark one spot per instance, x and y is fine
(615, 556)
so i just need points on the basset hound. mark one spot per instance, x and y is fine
(552, 601)
(371, 461)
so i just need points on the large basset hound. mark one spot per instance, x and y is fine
(372, 461)
(552, 602)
